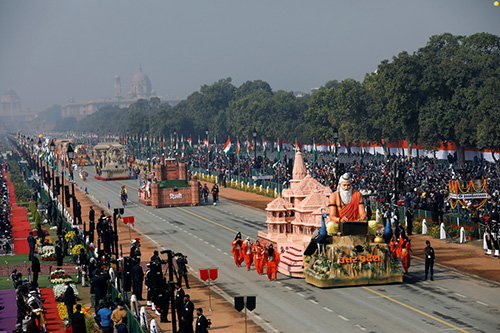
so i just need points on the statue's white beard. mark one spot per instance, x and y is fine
(345, 195)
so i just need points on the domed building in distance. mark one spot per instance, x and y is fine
(141, 88)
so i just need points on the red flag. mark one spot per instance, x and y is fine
(298, 145)
(213, 273)
(204, 274)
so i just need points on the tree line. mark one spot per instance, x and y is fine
(447, 91)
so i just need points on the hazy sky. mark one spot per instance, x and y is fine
(53, 50)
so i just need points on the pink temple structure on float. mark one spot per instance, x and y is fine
(170, 187)
(291, 219)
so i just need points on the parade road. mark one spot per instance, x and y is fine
(453, 302)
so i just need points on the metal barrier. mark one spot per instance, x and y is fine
(265, 187)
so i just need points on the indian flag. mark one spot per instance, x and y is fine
(279, 151)
(40, 154)
(248, 147)
(315, 153)
(238, 151)
(227, 146)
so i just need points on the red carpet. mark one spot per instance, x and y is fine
(20, 224)
(54, 323)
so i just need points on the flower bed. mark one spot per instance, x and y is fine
(49, 255)
(69, 236)
(59, 290)
(63, 312)
(59, 277)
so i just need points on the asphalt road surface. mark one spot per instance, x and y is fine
(453, 302)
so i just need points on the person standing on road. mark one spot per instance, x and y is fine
(429, 260)
(69, 299)
(237, 251)
(215, 193)
(201, 322)
(272, 258)
(137, 280)
(179, 303)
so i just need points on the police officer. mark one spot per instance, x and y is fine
(429, 260)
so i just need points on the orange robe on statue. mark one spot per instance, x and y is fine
(272, 264)
(258, 255)
(237, 252)
(247, 253)
(351, 210)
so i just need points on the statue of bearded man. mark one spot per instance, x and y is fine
(346, 205)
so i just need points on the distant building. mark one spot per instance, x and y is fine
(11, 113)
(141, 89)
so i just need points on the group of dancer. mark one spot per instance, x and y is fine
(400, 248)
(248, 252)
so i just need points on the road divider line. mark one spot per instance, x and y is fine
(343, 318)
(482, 303)
(416, 310)
(301, 295)
(327, 309)
(313, 301)
(460, 295)
(360, 327)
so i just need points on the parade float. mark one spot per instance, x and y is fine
(352, 254)
(110, 161)
(81, 156)
(170, 187)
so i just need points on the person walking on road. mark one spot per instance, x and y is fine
(273, 259)
(237, 251)
(429, 260)
(215, 193)
(247, 252)
(258, 254)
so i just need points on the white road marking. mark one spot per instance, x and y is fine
(327, 309)
(289, 288)
(343, 318)
(360, 327)
(313, 301)
(482, 303)
(257, 317)
(206, 243)
(278, 282)
(212, 245)
(460, 295)
(441, 288)
(219, 250)
(269, 325)
(190, 234)
(301, 295)
(225, 253)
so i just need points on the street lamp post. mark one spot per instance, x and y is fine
(335, 138)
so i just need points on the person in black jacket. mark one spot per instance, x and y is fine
(201, 322)
(69, 300)
(31, 244)
(35, 268)
(96, 287)
(182, 269)
(91, 225)
(137, 280)
(78, 320)
(59, 254)
(179, 303)
(187, 315)
(429, 260)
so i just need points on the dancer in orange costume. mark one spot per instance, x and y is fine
(247, 252)
(237, 252)
(258, 255)
(272, 258)
(405, 255)
(394, 247)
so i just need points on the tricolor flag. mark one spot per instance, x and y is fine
(248, 147)
(315, 153)
(40, 154)
(215, 143)
(238, 151)
(264, 144)
(227, 146)
(279, 151)
(190, 143)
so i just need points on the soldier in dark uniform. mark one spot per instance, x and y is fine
(35, 268)
(491, 232)
(179, 304)
(59, 254)
(429, 260)
(187, 315)
(137, 280)
(135, 249)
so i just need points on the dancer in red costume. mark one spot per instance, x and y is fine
(237, 252)
(272, 258)
(405, 255)
(247, 252)
(258, 255)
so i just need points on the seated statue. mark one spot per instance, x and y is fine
(346, 204)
